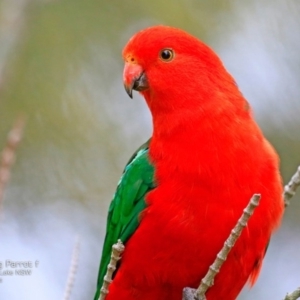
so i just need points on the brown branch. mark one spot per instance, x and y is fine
(294, 295)
(73, 269)
(214, 269)
(8, 155)
(117, 250)
(290, 188)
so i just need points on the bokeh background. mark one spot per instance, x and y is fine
(61, 67)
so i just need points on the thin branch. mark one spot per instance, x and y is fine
(294, 295)
(290, 188)
(73, 269)
(117, 250)
(214, 269)
(8, 155)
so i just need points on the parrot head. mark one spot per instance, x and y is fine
(173, 69)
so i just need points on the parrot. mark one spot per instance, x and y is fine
(182, 192)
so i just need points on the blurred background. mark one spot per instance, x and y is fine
(61, 67)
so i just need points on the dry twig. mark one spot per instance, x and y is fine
(290, 188)
(117, 250)
(8, 155)
(214, 269)
(73, 269)
(294, 295)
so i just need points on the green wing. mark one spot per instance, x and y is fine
(128, 201)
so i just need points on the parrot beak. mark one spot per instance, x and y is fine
(134, 78)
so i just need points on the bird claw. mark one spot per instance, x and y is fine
(190, 294)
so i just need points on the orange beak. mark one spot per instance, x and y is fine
(134, 78)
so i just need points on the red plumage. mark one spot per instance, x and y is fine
(210, 157)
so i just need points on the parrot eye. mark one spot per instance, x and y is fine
(166, 54)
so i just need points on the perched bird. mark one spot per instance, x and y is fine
(183, 191)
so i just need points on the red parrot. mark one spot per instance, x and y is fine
(183, 191)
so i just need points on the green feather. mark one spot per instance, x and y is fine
(127, 204)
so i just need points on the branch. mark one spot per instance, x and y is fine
(214, 269)
(73, 269)
(117, 250)
(290, 188)
(294, 295)
(8, 155)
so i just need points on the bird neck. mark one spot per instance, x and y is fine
(213, 133)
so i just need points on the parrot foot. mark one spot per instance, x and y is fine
(190, 294)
